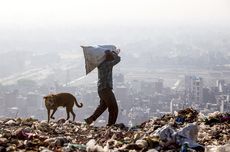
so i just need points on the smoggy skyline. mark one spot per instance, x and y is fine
(59, 13)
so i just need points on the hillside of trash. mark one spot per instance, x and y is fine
(185, 130)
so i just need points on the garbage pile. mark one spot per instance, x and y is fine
(186, 130)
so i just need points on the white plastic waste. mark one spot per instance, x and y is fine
(95, 55)
(220, 148)
(188, 134)
(91, 146)
(166, 134)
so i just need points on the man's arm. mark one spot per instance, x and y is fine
(116, 60)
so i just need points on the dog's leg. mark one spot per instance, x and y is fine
(48, 113)
(54, 110)
(67, 112)
(73, 114)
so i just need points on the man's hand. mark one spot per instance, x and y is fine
(114, 54)
(111, 55)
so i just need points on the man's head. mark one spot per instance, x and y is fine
(109, 55)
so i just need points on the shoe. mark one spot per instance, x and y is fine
(109, 125)
(88, 121)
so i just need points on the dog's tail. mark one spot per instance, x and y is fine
(78, 105)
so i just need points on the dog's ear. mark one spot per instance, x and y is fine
(52, 95)
(45, 97)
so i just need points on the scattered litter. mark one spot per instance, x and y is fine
(221, 148)
(186, 130)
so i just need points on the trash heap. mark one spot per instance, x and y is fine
(185, 130)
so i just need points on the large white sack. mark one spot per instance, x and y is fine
(95, 55)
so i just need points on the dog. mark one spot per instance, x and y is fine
(53, 101)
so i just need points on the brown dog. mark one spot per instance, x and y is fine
(53, 101)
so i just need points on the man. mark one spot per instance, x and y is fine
(105, 86)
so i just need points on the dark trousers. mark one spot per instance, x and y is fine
(107, 100)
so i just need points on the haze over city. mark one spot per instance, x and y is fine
(164, 45)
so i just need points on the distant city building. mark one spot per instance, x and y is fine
(122, 93)
(194, 88)
(223, 102)
(119, 78)
(135, 86)
(151, 87)
(227, 105)
(176, 104)
(220, 85)
(159, 85)
(209, 95)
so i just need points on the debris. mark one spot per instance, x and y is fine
(24, 133)
(74, 147)
(3, 141)
(11, 122)
(184, 147)
(2, 149)
(142, 143)
(179, 120)
(168, 133)
(60, 141)
(221, 148)
(189, 115)
(217, 117)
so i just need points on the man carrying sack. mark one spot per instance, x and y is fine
(105, 86)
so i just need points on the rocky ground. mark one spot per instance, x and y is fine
(184, 130)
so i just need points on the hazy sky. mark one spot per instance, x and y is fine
(33, 13)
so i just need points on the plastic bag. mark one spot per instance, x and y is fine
(188, 134)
